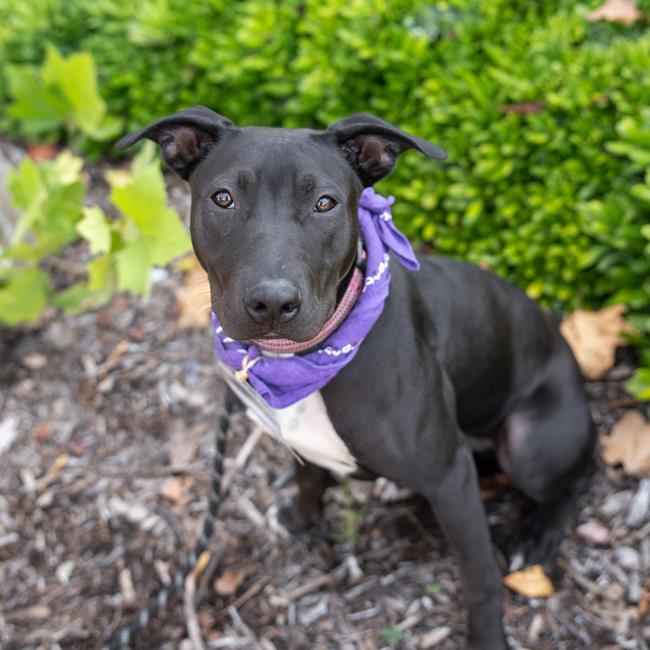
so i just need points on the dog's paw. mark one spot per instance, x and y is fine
(297, 523)
(536, 545)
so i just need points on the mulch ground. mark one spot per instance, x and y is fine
(107, 423)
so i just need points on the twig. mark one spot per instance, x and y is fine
(242, 457)
(245, 597)
(307, 588)
(244, 629)
(585, 583)
(573, 630)
(191, 620)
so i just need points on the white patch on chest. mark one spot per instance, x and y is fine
(308, 430)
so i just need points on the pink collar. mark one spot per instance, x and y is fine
(287, 346)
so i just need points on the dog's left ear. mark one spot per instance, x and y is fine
(184, 137)
(372, 145)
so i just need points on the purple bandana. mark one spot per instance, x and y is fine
(281, 381)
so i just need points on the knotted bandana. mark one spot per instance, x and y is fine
(281, 381)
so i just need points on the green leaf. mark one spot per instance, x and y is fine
(100, 274)
(24, 296)
(142, 197)
(95, 228)
(392, 635)
(79, 298)
(76, 79)
(63, 92)
(133, 265)
(40, 108)
(639, 384)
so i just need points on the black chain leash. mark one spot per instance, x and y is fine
(125, 637)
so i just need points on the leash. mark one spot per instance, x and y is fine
(125, 637)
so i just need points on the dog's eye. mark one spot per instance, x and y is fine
(325, 204)
(223, 199)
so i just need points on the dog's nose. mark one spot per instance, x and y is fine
(276, 301)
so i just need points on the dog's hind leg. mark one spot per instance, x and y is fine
(546, 448)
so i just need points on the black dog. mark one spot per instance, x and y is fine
(456, 354)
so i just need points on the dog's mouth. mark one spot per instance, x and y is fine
(240, 328)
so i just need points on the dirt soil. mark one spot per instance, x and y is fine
(107, 423)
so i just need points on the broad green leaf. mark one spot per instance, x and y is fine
(133, 265)
(67, 168)
(24, 183)
(168, 239)
(100, 274)
(95, 228)
(24, 296)
(75, 299)
(40, 108)
(142, 197)
(146, 157)
(76, 78)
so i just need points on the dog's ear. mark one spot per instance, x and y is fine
(372, 145)
(184, 137)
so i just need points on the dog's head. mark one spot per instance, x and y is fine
(274, 211)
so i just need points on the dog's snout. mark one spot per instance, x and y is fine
(273, 301)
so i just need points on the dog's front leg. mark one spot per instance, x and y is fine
(307, 507)
(457, 504)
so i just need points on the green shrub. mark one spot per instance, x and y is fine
(62, 94)
(122, 251)
(539, 109)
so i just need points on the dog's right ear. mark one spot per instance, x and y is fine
(184, 138)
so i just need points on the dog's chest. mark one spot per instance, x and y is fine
(308, 430)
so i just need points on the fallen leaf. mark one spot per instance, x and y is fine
(593, 336)
(174, 490)
(230, 580)
(644, 603)
(193, 300)
(531, 582)
(629, 445)
(624, 12)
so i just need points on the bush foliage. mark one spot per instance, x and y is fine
(122, 250)
(543, 112)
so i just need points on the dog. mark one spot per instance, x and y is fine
(456, 355)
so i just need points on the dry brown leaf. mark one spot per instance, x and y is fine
(193, 299)
(174, 490)
(644, 603)
(594, 336)
(624, 12)
(629, 444)
(531, 582)
(230, 580)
